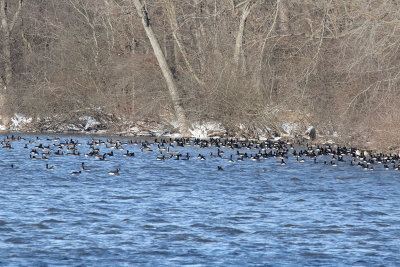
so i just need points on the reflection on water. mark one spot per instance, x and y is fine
(186, 212)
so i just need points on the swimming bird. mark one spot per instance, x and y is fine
(76, 172)
(127, 154)
(220, 168)
(385, 167)
(84, 168)
(116, 172)
(187, 157)
(49, 167)
(299, 159)
(162, 157)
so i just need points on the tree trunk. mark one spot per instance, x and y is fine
(283, 18)
(6, 28)
(239, 37)
(173, 90)
(6, 44)
(260, 79)
(174, 26)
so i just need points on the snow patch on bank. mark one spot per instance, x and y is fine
(290, 129)
(89, 122)
(207, 129)
(18, 121)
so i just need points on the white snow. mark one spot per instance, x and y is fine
(174, 123)
(290, 128)
(90, 122)
(18, 120)
(203, 130)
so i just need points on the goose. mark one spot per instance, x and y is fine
(116, 172)
(300, 159)
(84, 167)
(49, 167)
(161, 157)
(128, 154)
(59, 153)
(385, 167)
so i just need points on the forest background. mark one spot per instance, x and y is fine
(246, 64)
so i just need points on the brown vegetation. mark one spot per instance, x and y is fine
(335, 64)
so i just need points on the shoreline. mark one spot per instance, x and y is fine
(301, 141)
(86, 126)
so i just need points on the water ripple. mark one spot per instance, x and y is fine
(176, 213)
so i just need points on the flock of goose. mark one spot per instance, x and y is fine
(169, 149)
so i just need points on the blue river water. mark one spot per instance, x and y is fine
(187, 212)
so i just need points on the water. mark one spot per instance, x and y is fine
(177, 212)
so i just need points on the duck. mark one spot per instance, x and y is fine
(75, 172)
(116, 172)
(220, 168)
(283, 162)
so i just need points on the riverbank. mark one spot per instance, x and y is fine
(101, 124)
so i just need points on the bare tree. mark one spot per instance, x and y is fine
(247, 6)
(7, 26)
(172, 87)
(169, 5)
